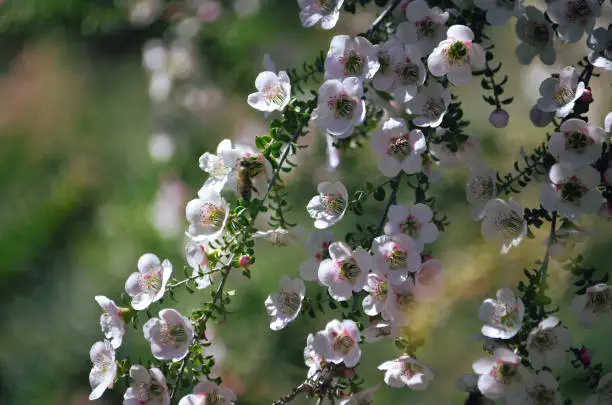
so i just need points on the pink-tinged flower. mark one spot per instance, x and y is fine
(397, 148)
(577, 143)
(351, 57)
(594, 305)
(207, 214)
(503, 223)
(457, 56)
(425, 27)
(559, 94)
(377, 301)
(330, 205)
(338, 343)
(312, 359)
(325, 11)
(363, 397)
(573, 17)
(209, 393)
(111, 321)
(396, 256)
(536, 36)
(339, 106)
(149, 283)
(284, 306)
(273, 92)
(548, 343)
(170, 335)
(503, 317)
(317, 246)
(429, 105)
(406, 371)
(415, 222)
(346, 271)
(104, 370)
(501, 375)
(147, 387)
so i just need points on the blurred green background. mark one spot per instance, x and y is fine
(81, 198)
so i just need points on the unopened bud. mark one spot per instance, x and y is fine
(499, 118)
(348, 373)
(586, 97)
(244, 261)
(585, 356)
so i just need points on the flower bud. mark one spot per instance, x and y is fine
(540, 118)
(586, 97)
(348, 373)
(244, 261)
(585, 356)
(499, 118)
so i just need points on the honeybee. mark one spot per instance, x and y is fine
(248, 169)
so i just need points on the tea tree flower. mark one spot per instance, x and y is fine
(195, 253)
(351, 57)
(149, 283)
(401, 304)
(503, 223)
(377, 300)
(499, 12)
(600, 42)
(284, 306)
(594, 305)
(425, 27)
(406, 371)
(577, 143)
(338, 343)
(503, 317)
(317, 246)
(169, 335)
(363, 397)
(111, 321)
(207, 214)
(429, 280)
(501, 375)
(326, 11)
(346, 271)
(340, 107)
(104, 370)
(312, 359)
(572, 191)
(209, 393)
(574, 17)
(329, 206)
(457, 56)
(559, 94)
(259, 169)
(147, 387)
(280, 236)
(429, 105)
(396, 256)
(387, 52)
(480, 189)
(548, 343)
(536, 35)
(377, 331)
(213, 165)
(415, 222)
(408, 71)
(543, 390)
(603, 391)
(273, 91)
(397, 148)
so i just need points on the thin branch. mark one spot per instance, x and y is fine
(392, 200)
(381, 18)
(192, 278)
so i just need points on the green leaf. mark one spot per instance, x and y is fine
(379, 194)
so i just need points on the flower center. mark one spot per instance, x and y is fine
(274, 94)
(578, 10)
(434, 108)
(327, 6)
(333, 205)
(173, 334)
(505, 316)
(563, 95)
(513, 224)
(397, 259)
(535, 34)
(457, 53)
(379, 290)
(385, 62)
(211, 214)
(481, 188)
(409, 370)
(102, 363)
(577, 141)
(145, 392)
(210, 398)
(342, 105)
(544, 340)
(343, 343)
(505, 372)
(408, 73)
(599, 302)
(289, 302)
(572, 191)
(410, 227)
(399, 147)
(350, 271)
(426, 28)
(151, 282)
(353, 63)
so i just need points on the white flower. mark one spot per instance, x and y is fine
(147, 387)
(564, 243)
(312, 359)
(425, 27)
(501, 375)
(284, 306)
(111, 321)
(415, 222)
(457, 56)
(214, 166)
(396, 256)
(363, 397)
(170, 335)
(542, 390)
(333, 153)
(600, 41)
(397, 148)
(571, 191)
(104, 370)
(317, 246)
(503, 223)
(351, 57)
(407, 371)
(578, 143)
(574, 17)
(195, 253)
(329, 206)
(280, 236)
(430, 104)
(149, 283)
(273, 91)
(547, 344)
(480, 189)
(326, 11)
(346, 271)
(503, 317)
(338, 343)
(408, 71)
(259, 170)
(429, 280)
(388, 52)
(377, 331)
(560, 94)
(207, 214)
(594, 305)
(603, 392)
(378, 298)
(467, 152)
(499, 12)
(208, 393)
(401, 303)
(536, 35)
(340, 107)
